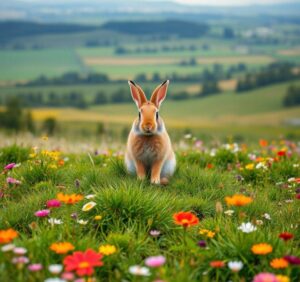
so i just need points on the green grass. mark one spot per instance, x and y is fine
(130, 209)
(29, 64)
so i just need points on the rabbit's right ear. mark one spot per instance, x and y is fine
(137, 94)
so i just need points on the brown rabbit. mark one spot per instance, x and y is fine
(149, 149)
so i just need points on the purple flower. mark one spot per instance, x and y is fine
(53, 203)
(154, 233)
(42, 213)
(10, 166)
(265, 277)
(35, 267)
(74, 215)
(155, 261)
(77, 183)
(292, 260)
(11, 180)
(202, 244)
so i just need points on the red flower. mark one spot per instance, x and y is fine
(185, 219)
(210, 166)
(286, 236)
(281, 153)
(83, 262)
(217, 263)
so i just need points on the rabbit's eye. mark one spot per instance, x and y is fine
(156, 115)
(139, 115)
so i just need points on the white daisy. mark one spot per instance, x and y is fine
(55, 268)
(247, 227)
(235, 266)
(139, 270)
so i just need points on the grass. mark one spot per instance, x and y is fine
(130, 209)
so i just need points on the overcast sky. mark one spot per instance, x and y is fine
(191, 2)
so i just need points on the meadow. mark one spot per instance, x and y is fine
(231, 212)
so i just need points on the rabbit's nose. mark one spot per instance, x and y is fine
(148, 126)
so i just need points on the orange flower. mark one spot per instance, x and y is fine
(217, 263)
(62, 247)
(263, 142)
(69, 199)
(6, 236)
(238, 200)
(185, 219)
(262, 249)
(279, 263)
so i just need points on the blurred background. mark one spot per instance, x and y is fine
(233, 67)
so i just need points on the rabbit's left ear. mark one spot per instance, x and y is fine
(159, 94)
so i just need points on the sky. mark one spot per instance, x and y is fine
(232, 2)
(190, 2)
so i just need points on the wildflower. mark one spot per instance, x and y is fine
(44, 138)
(42, 213)
(238, 200)
(297, 196)
(83, 262)
(263, 143)
(54, 221)
(261, 249)
(62, 247)
(139, 270)
(282, 278)
(281, 153)
(74, 215)
(69, 199)
(266, 216)
(235, 266)
(207, 233)
(247, 227)
(286, 236)
(209, 166)
(6, 236)
(90, 196)
(82, 222)
(11, 180)
(292, 260)
(35, 267)
(155, 261)
(265, 277)
(154, 233)
(55, 268)
(7, 248)
(279, 263)
(217, 263)
(259, 222)
(77, 183)
(107, 249)
(19, 251)
(20, 260)
(98, 217)
(202, 244)
(9, 166)
(186, 219)
(229, 212)
(249, 166)
(88, 206)
(69, 276)
(54, 203)
(55, 279)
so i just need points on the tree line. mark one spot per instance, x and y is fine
(273, 73)
(292, 96)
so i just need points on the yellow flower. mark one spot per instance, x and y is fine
(32, 155)
(98, 217)
(207, 233)
(53, 166)
(88, 206)
(282, 278)
(45, 138)
(107, 249)
(279, 263)
(262, 249)
(249, 166)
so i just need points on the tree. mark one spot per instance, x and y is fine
(13, 114)
(228, 33)
(209, 88)
(100, 98)
(292, 97)
(50, 125)
(29, 123)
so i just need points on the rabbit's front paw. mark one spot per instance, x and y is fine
(155, 180)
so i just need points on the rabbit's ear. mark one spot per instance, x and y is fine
(159, 94)
(137, 94)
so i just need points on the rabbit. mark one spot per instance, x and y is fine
(149, 148)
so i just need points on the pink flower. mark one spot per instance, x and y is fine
(154, 233)
(11, 180)
(20, 260)
(69, 276)
(35, 267)
(42, 213)
(155, 261)
(19, 251)
(10, 166)
(265, 277)
(292, 260)
(53, 203)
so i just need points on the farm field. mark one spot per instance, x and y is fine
(243, 200)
